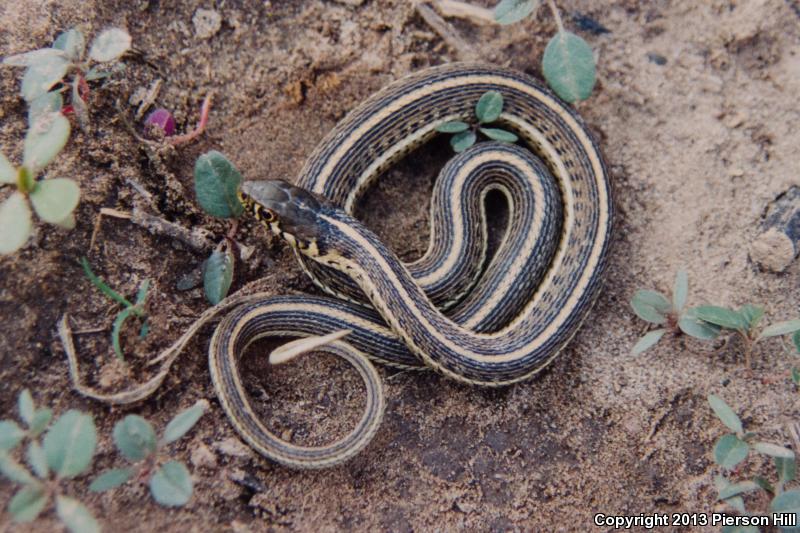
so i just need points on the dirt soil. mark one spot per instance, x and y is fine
(696, 111)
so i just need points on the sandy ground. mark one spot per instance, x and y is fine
(697, 145)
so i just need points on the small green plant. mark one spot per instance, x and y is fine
(568, 62)
(47, 67)
(673, 317)
(53, 199)
(136, 308)
(487, 110)
(64, 453)
(170, 482)
(733, 448)
(216, 185)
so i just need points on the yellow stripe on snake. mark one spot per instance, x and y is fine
(480, 320)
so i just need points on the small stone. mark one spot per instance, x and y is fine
(207, 23)
(233, 447)
(203, 457)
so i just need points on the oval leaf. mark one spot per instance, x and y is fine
(455, 126)
(10, 434)
(37, 459)
(26, 504)
(171, 485)
(111, 479)
(781, 328)
(751, 314)
(184, 421)
(8, 174)
(15, 223)
(72, 42)
(730, 451)
(725, 413)
(14, 471)
(135, 437)
(27, 409)
(510, 11)
(110, 45)
(773, 450)
(42, 75)
(787, 469)
(647, 341)
(650, 306)
(35, 56)
(680, 290)
(500, 135)
(76, 516)
(735, 489)
(721, 316)
(693, 326)
(70, 443)
(218, 275)
(216, 182)
(462, 141)
(40, 421)
(568, 67)
(788, 502)
(45, 140)
(54, 199)
(489, 107)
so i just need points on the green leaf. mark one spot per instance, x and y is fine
(647, 341)
(45, 140)
(15, 223)
(135, 437)
(10, 434)
(787, 468)
(651, 306)
(796, 341)
(725, 413)
(76, 516)
(730, 451)
(40, 421)
(680, 290)
(14, 471)
(737, 488)
(781, 328)
(218, 275)
(70, 444)
(796, 375)
(26, 504)
(54, 199)
(788, 502)
(110, 45)
(489, 107)
(102, 286)
(499, 135)
(116, 329)
(171, 485)
(751, 314)
(72, 43)
(96, 73)
(455, 126)
(141, 294)
(42, 75)
(773, 450)
(721, 316)
(693, 326)
(8, 174)
(510, 11)
(462, 141)
(111, 479)
(738, 503)
(764, 484)
(184, 421)
(37, 459)
(568, 66)
(33, 57)
(216, 182)
(26, 407)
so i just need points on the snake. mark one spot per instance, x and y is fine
(478, 316)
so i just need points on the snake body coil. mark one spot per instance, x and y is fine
(481, 321)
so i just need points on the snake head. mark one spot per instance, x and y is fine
(287, 211)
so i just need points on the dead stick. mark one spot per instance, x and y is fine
(447, 32)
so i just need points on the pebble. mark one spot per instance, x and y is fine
(207, 23)
(203, 457)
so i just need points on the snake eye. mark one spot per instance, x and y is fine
(269, 215)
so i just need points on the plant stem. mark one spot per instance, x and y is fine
(556, 16)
